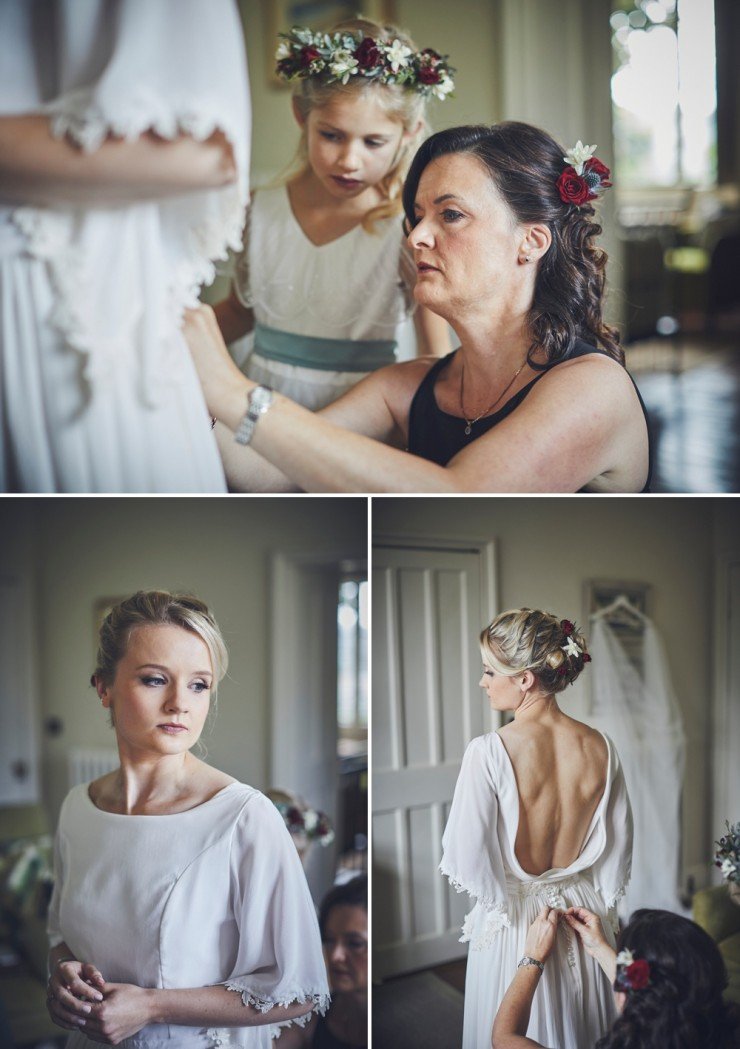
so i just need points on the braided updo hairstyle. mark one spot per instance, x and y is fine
(525, 163)
(525, 639)
(682, 1007)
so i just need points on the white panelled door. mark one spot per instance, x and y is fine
(429, 604)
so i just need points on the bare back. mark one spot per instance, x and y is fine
(560, 767)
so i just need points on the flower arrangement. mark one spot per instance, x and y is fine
(559, 662)
(338, 57)
(584, 177)
(303, 820)
(727, 855)
(632, 973)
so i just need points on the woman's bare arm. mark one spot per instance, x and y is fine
(36, 168)
(577, 412)
(233, 318)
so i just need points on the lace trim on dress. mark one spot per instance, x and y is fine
(319, 1004)
(460, 886)
(482, 936)
(612, 905)
(51, 233)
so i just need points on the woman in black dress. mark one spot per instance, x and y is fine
(536, 399)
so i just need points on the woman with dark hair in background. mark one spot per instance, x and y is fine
(668, 977)
(343, 925)
(535, 399)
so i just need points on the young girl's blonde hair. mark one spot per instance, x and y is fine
(400, 103)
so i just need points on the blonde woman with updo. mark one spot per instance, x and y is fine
(181, 917)
(325, 279)
(540, 819)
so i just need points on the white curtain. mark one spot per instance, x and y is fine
(637, 708)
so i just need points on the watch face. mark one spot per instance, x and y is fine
(260, 398)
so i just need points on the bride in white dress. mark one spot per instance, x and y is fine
(540, 817)
(124, 135)
(181, 917)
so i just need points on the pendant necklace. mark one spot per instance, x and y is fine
(470, 423)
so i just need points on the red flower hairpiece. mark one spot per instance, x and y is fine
(584, 176)
(633, 974)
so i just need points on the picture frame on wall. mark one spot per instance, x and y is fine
(316, 14)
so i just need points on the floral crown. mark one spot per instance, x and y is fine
(632, 973)
(584, 177)
(727, 855)
(301, 819)
(573, 651)
(338, 57)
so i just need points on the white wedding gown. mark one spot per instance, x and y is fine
(97, 389)
(573, 1005)
(214, 895)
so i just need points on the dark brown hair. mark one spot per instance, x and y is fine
(525, 163)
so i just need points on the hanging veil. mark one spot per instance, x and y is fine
(637, 708)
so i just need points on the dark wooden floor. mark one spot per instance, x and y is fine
(691, 390)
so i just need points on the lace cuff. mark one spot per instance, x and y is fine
(481, 932)
(318, 1000)
(476, 892)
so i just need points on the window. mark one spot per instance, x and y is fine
(352, 666)
(664, 93)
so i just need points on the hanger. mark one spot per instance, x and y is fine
(621, 603)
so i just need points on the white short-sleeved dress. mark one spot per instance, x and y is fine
(213, 895)
(573, 1005)
(98, 392)
(325, 315)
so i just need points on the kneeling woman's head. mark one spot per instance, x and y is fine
(160, 658)
(669, 984)
(343, 925)
(499, 218)
(525, 650)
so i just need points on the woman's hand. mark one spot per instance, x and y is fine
(124, 1011)
(541, 935)
(73, 986)
(588, 927)
(216, 370)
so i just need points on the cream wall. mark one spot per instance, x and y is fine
(548, 547)
(79, 550)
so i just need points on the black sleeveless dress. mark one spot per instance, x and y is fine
(437, 436)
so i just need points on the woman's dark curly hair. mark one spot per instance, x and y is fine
(352, 893)
(525, 163)
(682, 1008)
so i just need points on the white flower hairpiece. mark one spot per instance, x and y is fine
(578, 155)
(571, 648)
(625, 957)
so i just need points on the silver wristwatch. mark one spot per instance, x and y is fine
(526, 960)
(259, 401)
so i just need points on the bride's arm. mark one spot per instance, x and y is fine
(37, 168)
(512, 1018)
(127, 1008)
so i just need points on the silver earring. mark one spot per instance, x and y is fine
(527, 258)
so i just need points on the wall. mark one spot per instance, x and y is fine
(85, 549)
(547, 547)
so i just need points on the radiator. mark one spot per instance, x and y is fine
(87, 763)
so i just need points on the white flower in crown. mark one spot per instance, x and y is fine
(310, 819)
(443, 88)
(571, 648)
(398, 55)
(578, 155)
(728, 868)
(625, 958)
(343, 65)
(283, 51)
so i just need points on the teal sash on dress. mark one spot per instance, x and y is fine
(331, 355)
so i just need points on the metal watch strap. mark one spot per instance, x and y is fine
(259, 400)
(526, 960)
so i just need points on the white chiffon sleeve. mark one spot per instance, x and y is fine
(612, 870)
(471, 853)
(279, 959)
(123, 275)
(53, 930)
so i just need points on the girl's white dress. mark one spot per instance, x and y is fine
(325, 316)
(213, 895)
(97, 389)
(573, 1005)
